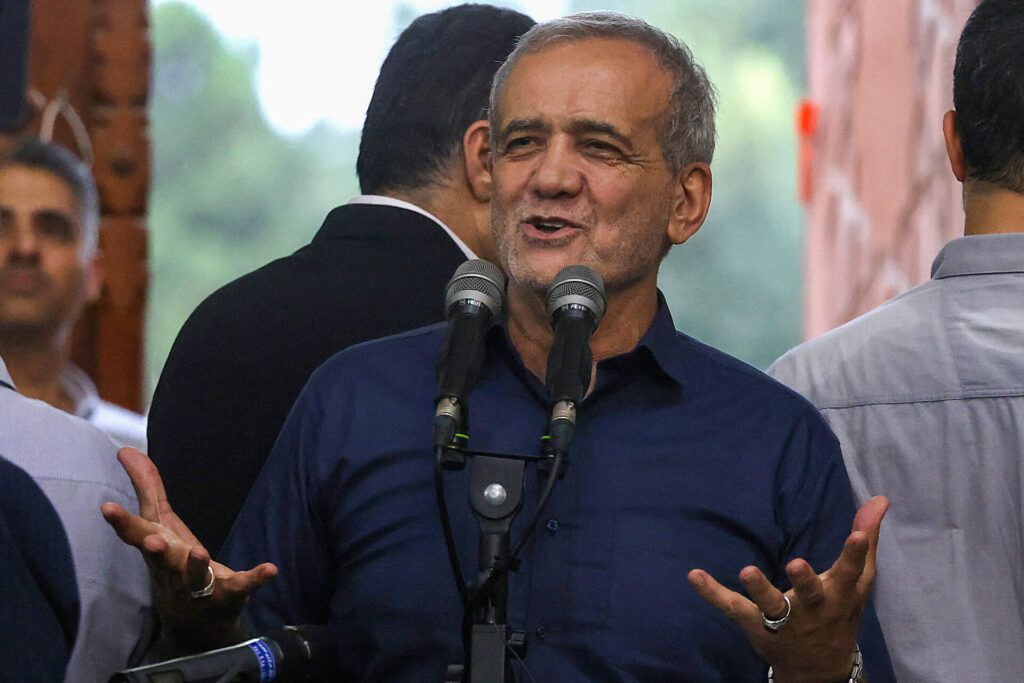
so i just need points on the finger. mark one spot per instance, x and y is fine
(729, 602)
(767, 597)
(197, 569)
(869, 520)
(849, 566)
(807, 584)
(145, 478)
(130, 528)
(244, 583)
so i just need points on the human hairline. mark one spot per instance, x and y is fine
(72, 172)
(687, 134)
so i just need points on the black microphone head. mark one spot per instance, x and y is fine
(478, 280)
(578, 287)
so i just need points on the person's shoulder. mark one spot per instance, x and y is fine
(412, 351)
(721, 373)
(53, 445)
(862, 360)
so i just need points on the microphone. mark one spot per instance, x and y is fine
(576, 304)
(291, 653)
(472, 298)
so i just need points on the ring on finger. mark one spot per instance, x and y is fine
(774, 625)
(207, 590)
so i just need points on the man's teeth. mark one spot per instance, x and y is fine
(549, 226)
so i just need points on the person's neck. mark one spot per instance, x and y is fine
(455, 206)
(37, 367)
(992, 210)
(627, 318)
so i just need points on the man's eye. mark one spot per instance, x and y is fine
(601, 147)
(56, 228)
(519, 143)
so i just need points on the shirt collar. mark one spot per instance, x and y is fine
(5, 376)
(81, 390)
(980, 255)
(659, 345)
(381, 200)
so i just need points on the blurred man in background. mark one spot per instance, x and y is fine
(926, 394)
(377, 266)
(76, 466)
(50, 269)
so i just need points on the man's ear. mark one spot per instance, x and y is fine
(691, 201)
(476, 150)
(94, 273)
(953, 147)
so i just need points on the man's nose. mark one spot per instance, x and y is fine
(558, 173)
(26, 242)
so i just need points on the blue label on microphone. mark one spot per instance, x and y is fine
(268, 667)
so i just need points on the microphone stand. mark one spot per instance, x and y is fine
(496, 496)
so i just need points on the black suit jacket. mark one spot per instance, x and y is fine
(242, 357)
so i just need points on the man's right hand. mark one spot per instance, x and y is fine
(179, 565)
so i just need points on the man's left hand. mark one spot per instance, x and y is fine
(817, 642)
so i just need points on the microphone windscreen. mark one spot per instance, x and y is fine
(577, 285)
(479, 280)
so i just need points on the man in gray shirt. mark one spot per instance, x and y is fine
(926, 394)
(76, 466)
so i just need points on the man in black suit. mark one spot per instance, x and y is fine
(377, 266)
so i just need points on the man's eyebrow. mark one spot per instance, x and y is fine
(593, 126)
(53, 217)
(517, 125)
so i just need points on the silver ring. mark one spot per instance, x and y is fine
(207, 590)
(774, 625)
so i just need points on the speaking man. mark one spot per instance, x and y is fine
(50, 269)
(376, 267)
(926, 394)
(693, 478)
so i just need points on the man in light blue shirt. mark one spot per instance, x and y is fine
(926, 394)
(76, 466)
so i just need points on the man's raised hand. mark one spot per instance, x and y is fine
(817, 641)
(181, 567)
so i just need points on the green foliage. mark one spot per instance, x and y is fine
(737, 283)
(229, 193)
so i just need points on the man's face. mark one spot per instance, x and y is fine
(47, 272)
(579, 175)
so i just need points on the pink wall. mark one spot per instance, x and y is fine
(881, 199)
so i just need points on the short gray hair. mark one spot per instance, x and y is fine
(688, 134)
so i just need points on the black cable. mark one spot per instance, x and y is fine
(542, 502)
(446, 527)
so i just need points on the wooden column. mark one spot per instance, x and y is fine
(881, 200)
(98, 53)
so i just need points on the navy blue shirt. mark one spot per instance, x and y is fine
(683, 458)
(39, 605)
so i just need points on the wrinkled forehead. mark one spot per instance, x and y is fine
(601, 79)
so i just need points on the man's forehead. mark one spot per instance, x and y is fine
(41, 186)
(611, 80)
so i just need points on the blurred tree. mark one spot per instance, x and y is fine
(737, 283)
(229, 193)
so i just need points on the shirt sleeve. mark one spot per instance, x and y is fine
(816, 507)
(279, 524)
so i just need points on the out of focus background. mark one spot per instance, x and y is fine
(255, 118)
(831, 192)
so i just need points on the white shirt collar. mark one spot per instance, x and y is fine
(5, 376)
(381, 200)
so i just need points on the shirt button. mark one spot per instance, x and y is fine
(541, 632)
(552, 525)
